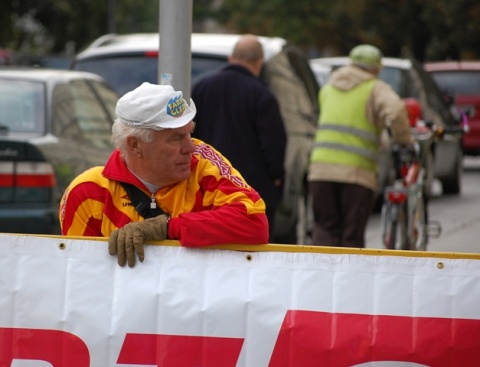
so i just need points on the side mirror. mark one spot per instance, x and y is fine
(414, 110)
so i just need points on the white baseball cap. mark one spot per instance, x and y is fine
(155, 107)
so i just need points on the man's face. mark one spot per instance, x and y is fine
(166, 160)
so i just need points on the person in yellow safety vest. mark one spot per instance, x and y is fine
(354, 109)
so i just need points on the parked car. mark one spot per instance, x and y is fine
(409, 79)
(54, 124)
(125, 61)
(45, 61)
(461, 81)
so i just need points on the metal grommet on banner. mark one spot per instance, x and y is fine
(440, 265)
(249, 257)
(62, 246)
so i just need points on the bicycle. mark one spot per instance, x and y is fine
(404, 215)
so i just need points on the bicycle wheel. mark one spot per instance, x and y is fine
(418, 233)
(394, 226)
(389, 224)
(402, 228)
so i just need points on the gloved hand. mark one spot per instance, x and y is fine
(128, 240)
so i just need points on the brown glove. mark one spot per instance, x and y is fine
(129, 239)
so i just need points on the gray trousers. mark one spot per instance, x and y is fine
(341, 212)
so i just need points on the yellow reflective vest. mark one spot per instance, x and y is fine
(344, 135)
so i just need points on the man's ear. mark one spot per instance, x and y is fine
(259, 66)
(134, 146)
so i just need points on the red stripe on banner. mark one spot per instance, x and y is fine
(313, 339)
(180, 351)
(59, 348)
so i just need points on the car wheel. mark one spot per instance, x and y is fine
(453, 185)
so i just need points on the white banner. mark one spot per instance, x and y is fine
(66, 303)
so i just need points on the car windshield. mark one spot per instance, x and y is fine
(22, 106)
(459, 82)
(125, 73)
(389, 75)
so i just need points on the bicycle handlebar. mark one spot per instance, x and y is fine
(428, 131)
(454, 129)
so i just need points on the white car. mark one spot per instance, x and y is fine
(124, 60)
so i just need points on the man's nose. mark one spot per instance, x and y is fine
(188, 147)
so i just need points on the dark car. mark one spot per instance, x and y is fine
(461, 80)
(54, 124)
(410, 81)
(125, 61)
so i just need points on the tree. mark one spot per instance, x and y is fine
(427, 29)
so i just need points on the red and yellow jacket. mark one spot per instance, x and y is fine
(213, 206)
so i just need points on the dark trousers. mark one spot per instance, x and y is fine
(341, 213)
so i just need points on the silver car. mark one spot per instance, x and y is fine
(54, 124)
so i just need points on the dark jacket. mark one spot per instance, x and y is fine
(240, 117)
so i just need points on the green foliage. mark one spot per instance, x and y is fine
(428, 29)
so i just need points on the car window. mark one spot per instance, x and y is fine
(125, 73)
(91, 116)
(90, 124)
(205, 65)
(458, 82)
(448, 113)
(22, 106)
(397, 78)
(393, 76)
(107, 96)
(122, 73)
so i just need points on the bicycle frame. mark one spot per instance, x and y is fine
(404, 217)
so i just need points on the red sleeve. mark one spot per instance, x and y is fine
(227, 211)
(229, 224)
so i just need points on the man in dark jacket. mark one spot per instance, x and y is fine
(237, 113)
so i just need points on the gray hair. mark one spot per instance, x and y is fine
(120, 132)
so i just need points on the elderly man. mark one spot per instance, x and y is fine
(355, 106)
(193, 194)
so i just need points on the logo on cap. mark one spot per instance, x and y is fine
(176, 106)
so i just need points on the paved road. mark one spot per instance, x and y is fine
(459, 215)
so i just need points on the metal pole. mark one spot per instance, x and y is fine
(175, 60)
(112, 10)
